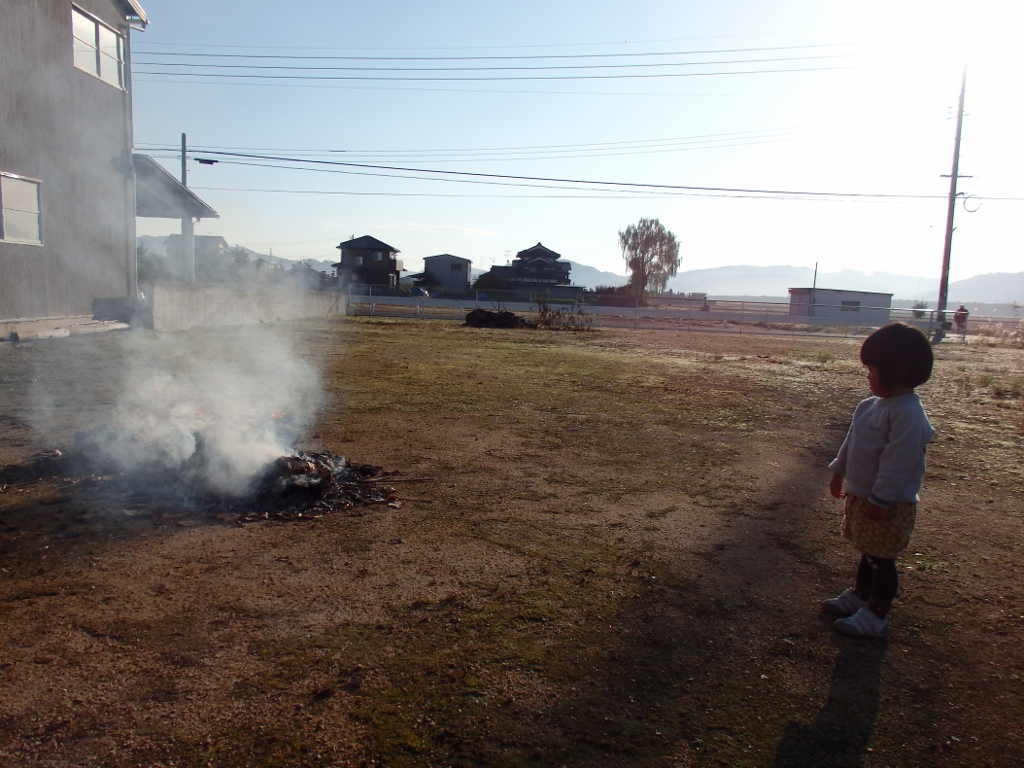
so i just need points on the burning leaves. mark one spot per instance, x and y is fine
(308, 485)
(296, 487)
(224, 450)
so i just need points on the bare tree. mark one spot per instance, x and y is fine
(651, 253)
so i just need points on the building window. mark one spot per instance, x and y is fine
(456, 267)
(98, 49)
(359, 261)
(20, 221)
(850, 306)
(378, 256)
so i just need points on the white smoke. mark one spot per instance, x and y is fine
(221, 404)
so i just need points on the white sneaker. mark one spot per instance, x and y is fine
(846, 604)
(863, 623)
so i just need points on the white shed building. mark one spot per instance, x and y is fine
(854, 307)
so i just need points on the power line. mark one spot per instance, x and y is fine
(378, 48)
(599, 191)
(612, 184)
(574, 155)
(532, 56)
(540, 63)
(550, 152)
(550, 78)
(644, 191)
(378, 87)
(588, 145)
(487, 78)
(606, 196)
(548, 68)
(466, 195)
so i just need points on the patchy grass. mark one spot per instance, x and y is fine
(612, 555)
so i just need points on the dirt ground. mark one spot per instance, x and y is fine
(603, 548)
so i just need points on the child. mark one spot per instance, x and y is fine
(882, 463)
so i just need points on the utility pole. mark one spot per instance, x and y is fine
(940, 332)
(188, 239)
(814, 286)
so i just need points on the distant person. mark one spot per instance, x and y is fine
(881, 463)
(960, 319)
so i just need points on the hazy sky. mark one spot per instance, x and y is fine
(705, 115)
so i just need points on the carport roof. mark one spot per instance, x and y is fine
(158, 195)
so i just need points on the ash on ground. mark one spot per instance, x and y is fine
(295, 487)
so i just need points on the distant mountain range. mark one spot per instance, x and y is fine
(775, 282)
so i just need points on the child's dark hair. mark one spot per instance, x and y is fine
(901, 353)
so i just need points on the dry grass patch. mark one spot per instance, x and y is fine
(609, 553)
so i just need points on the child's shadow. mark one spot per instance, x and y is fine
(840, 733)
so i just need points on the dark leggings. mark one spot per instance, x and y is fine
(877, 582)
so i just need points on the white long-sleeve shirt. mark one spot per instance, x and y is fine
(883, 455)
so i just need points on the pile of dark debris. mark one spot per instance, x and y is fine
(569, 318)
(295, 487)
(489, 318)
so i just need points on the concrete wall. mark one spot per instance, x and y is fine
(179, 306)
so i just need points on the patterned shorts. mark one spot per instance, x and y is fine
(883, 538)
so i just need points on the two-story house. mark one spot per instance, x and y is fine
(67, 189)
(367, 261)
(534, 272)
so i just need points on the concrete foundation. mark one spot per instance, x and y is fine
(41, 328)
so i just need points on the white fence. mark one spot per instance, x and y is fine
(734, 316)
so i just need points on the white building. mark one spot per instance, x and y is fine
(448, 272)
(853, 307)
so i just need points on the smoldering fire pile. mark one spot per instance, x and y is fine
(194, 426)
(294, 487)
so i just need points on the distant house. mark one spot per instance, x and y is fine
(368, 261)
(537, 270)
(309, 278)
(67, 197)
(854, 307)
(447, 272)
